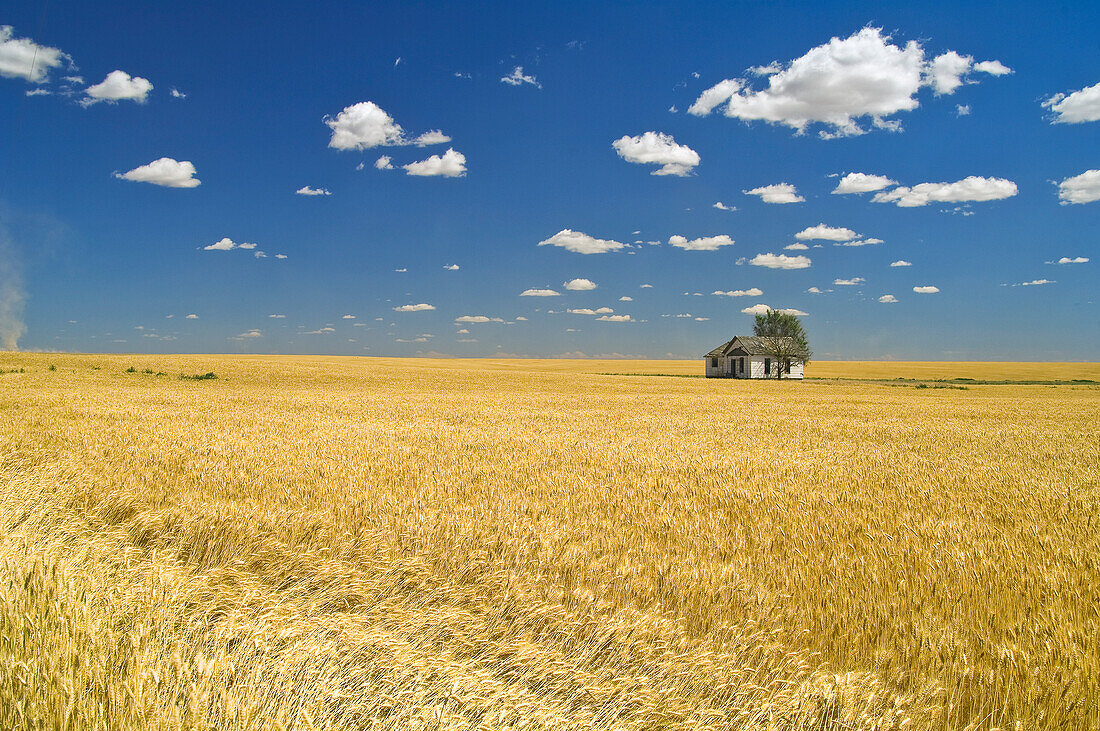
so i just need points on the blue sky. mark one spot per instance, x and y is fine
(961, 141)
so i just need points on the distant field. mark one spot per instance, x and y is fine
(328, 543)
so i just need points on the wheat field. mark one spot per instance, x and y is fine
(345, 543)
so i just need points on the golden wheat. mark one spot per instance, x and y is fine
(369, 543)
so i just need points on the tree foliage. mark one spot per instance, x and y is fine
(784, 339)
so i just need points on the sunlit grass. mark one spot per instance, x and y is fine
(345, 543)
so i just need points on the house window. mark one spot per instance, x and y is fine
(767, 366)
(713, 362)
(741, 365)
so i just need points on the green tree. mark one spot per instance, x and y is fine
(783, 339)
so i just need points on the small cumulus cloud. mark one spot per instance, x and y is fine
(1034, 283)
(1083, 188)
(970, 189)
(752, 292)
(615, 318)
(452, 164)
(385, 162)
(838, 83)
(826, 233)
(277, 316)
(659, 149)
(590, 311)
(421, 307)
(165, 172)
(580, 284)
(901, 263)
(625, 298)
(348, 317)
(192, 316)
(518, 78)
(1076, 107)
(451, 267)
(795, 247)
(926, 289)
(177, 94)
(306, 190)
(118, 86)
(849, 282)
(1071, 260)
(777, 193)
(478, 319)
(431, 137)
(581, 243)
(538, 293)
(706, 243)
(723, 207)
(249, 334)
(363, 126)
(887, 299)
(780, 261)
(761, 309)
(22, 58)
(862, 183)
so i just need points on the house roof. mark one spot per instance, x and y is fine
(741, 345)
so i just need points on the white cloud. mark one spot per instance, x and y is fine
(518, 78)
(22, 58)
(814, 290)
(165, 171)
(580, 285)
(826, 233)
(625, 298)
(777, 193)
(521, 318)
(901, 263)
(421, 307)
(706, 243)
(478, 319)
(660, 149)
(118, 86)
(590, 311)
(795, 247)
(926, 289)
(277, 317)
(227, 244)
(306, 190)
(451, 165)
(1083, 188)
(402, 270)
(1068, 260)
(995, 68)
(463, 331)
(280, 256)
(1035, 282)
(432, 137)
(887, 298)
(714, 96)
(723, 207)
(780, 261)
(1078, 106)
(849, 282)
(760, 309)
(838, 83)
(251, 334)
(539, 293)
(961, 110)
(451, 267)
(192, 316)
(385, 162)
(973, 188)
(752, 292)
(362, 126)
(946, 71)
(615, 318)
(646, 286)
(177, 94)
(862, 183)
(38, 92)
(859, 242)
(348, 317)
(581, 243)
